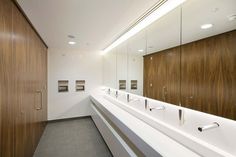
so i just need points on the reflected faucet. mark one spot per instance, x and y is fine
(158, 108)
(109, 91)
(116, 94)
(128, 98)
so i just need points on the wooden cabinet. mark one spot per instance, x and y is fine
(23, 83)
(208, 75)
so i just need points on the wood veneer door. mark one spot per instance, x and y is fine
(220, 75)
(159, 76)
(192, 75)
(7, 80)
(148, 76)
(172, 90)
(21, 129)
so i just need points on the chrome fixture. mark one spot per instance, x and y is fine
(181, 116)
(116, 94)
(109, 91)
(146, 103)
(157, 108)
(208, 127)
(128, 98)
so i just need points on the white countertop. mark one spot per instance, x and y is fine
(161, 143)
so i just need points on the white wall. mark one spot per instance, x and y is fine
(71, 65)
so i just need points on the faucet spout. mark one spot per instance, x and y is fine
(157, 108)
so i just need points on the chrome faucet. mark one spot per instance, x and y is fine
(158, 108)
(116, 94)
(109, 91)
(128, 98)
(146, 103)
(208, 127)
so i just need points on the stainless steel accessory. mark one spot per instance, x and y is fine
(146, 103)
(41, 99)
(157, 108)
(208, 127)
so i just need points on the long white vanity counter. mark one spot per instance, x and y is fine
(147, 139)
(161, 131)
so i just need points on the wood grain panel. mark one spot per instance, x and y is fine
(23, 71)
(192, 75)
(20, 66)
(148, 76)
(7, 77)
(159, 80)
(208, 75)
(220, 75)
(173, 76)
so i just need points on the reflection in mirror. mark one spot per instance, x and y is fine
(208, 56)
(136, 51)
(162, 62)
(109, 69)
(122, 67)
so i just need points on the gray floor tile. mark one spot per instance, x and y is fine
(72, 138)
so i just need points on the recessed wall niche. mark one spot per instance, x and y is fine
(63, 85)
(79, 85)
(134, 84)
(122, 84)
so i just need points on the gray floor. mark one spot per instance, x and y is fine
(72, 138)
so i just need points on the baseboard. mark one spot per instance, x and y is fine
(66, 119)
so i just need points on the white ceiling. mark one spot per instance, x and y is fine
(95, 23)
(165, 32)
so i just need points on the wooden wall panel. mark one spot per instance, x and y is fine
(7, 77)
(159, 77)
(208, 75)
(192, 75)
(148, 76)
(20, 31)
(220, 75)
(172, 76)
(23, 69)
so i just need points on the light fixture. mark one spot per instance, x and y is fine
(206, 26)
(141, 50)
(72, 42)
(232, 17)
(162, 8)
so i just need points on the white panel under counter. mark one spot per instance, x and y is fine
(147, 139)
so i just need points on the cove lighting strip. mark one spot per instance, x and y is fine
(163, 9)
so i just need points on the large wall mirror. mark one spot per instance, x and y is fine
(187, 58)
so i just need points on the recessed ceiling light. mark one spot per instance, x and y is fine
(71, 36)
(72, 42)
(141, 50)
(206, 26)
(232, 17)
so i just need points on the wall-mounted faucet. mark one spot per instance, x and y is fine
(208, 127)
(157, 108)
(128, 98)
(116, 94)
(109, 91)
(146, 103)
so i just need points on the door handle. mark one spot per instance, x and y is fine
(41, 99)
